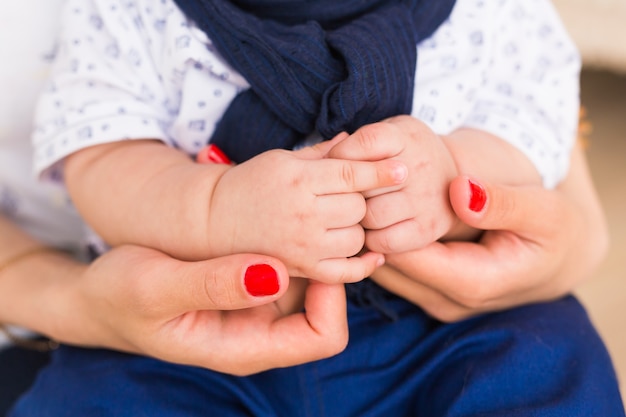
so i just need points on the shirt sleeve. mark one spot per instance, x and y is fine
(105, 85)
(530, 88)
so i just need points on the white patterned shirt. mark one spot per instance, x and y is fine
(132, 69)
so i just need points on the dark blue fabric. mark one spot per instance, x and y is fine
(538, 360)
(18, 368)
(325, 66)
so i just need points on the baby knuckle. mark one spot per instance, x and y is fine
(358, 208)
(348, 174)
(356, 244)
(373, 219)
(344, 276)
(382, 242)
(369, 136)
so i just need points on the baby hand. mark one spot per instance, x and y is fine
(301, 208)
(416, 212)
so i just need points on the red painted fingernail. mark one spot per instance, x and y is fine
(212, 153)
(261, 280)
(478, 196)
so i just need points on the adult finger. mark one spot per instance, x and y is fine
(258, 339)
(531, 211)
(472, 274)
(433, 302)
(324, 326)
(225, 283)
(519, 248)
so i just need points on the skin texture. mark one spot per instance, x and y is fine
(298, 205)
(538, 245)
(144, 301)
(418, 212)
(307, 207)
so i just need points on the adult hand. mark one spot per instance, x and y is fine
(307, 211)
(538, 245)
(223, 314)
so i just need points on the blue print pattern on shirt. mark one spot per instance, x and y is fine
(137, 69)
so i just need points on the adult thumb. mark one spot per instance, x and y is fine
(229, 282)
(520, 209)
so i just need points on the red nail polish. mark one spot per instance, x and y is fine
(478, 196)
(261, 280)
(212, 153)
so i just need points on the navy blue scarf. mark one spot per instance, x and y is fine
(324, 65)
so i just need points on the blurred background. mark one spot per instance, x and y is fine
(604, 96)
(597, 26)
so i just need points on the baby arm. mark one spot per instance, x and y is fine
(299, 206)
(418, 212)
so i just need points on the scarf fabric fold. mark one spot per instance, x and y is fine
(324, 65)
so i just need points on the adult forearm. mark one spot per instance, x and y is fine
(143, 192)
(33, 287)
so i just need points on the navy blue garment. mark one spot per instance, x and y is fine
(18, 368)
(538, 360)
(325, 65)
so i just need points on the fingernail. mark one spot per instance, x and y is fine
(212, 153)
(400, 172)
(261, 280)
(478, 196)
